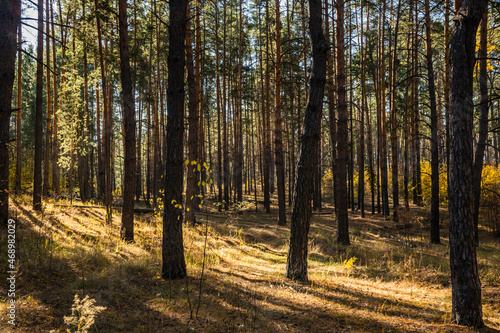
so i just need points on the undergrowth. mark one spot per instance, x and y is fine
(389, 279)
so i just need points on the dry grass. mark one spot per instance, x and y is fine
(396, 283)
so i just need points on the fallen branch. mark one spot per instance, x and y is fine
(136, 209)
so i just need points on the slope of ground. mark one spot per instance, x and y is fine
(389, 280)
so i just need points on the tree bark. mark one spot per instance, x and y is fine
(218, 103)
(383, 123)
(370, 141)
(417, 177)
(292, 136)
(466, 287)
(407, 119)
(435, 239)
(447, 79)
(127, 227)
(37, 177)
(10, 15)
(278, 136)
(173, 263)
(266, 121)
(106, 184)
(239, 113)
(84, 160)
(301, 215)
(341, 202)
(224, 115)
(331, 97)
(48, 130)
(361, 156)
(19, 110)
(138, 170)
(192, 188)
(394, 130)
(55, 143)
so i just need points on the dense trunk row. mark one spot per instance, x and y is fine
(244, 120)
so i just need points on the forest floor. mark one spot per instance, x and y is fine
(390, 279)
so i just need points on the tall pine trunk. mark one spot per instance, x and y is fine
(173, 263)
(218, 103)
(239, 113)
(361, 156)
(55, 143)
(435, 239)
(48, 130)
(417, 174)
(106, 184)
(37, 177)
(330, 56)
(341, 195)
(19, 110)
(266, 121)
(383, 123)
(447, 80)
(10, 15)
(127, 227)
(278, 141)
(466, 287)
(192, 189)
(394, 130)
(296, 268)
(224, 115)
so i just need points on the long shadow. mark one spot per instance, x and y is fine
(274, 312)
(89, 213)
(362, 300)
(137, 301)
(292, 313)
(50, 285)
(58, 225)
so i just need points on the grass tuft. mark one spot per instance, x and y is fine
(389, 280)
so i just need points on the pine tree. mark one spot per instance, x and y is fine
(173, 264)
(9, 21)
(296, 267)
(466, 287)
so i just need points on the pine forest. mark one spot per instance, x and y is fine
(250, 166)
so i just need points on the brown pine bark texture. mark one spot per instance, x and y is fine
(466, 286)
(341, 201)
(296, 268)
(10, 12)
(37, 175)
(127, 227)
(173, 263)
